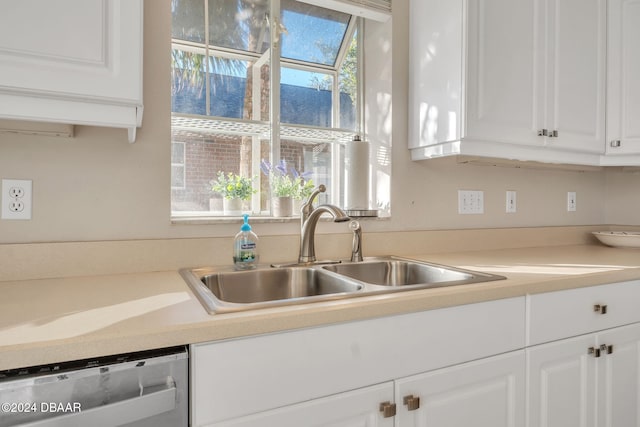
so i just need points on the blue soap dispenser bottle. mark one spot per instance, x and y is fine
(245, 247)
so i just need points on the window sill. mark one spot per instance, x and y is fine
(195, 218)
(204, 218)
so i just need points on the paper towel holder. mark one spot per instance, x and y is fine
(360, 211)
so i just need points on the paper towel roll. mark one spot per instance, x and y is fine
(356, 175)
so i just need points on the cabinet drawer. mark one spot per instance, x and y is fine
(562, 314)
(243, 376)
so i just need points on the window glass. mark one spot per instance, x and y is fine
(348, 82)
(177, 165)
(306, 98)
(188, 89)
(187, 21)
(239, 24)
(313, 34)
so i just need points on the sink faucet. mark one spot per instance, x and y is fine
(309, 217)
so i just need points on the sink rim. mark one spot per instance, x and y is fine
(213, 305)
(475, 276)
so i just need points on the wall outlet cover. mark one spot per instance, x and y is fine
(470, 202)
(511, 206)
(16, 199)
(571, 201)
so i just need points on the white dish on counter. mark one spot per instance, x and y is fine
(621, 239)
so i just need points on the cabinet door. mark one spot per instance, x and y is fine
(435, 72)
(488, 392)
(79, 48)
(561, 380)
(72, 61)
(575, 86)
(359, 408)
(503, 96)
(619, 377)
(623, 87)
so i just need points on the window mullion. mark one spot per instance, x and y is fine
(207, 81)
(360, 76)
(274, 107)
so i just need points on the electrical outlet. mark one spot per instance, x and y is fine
(16, 206)
(571, 201)
(16, 192)
(16, 199)
(470, 202)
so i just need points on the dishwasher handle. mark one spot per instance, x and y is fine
(159, 400)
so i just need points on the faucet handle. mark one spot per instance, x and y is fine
(356, 245)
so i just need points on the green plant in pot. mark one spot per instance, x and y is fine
(283, 187)
(234, 189)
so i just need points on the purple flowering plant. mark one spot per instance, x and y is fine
(287, 182)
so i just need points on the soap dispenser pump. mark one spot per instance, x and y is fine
(245, 247)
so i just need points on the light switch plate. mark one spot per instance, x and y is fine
(571, 201)
(511, 206)
(470, 202)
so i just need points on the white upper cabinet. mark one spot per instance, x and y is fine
(509, 79)
(623, 86)
(575, 80)
(502, 96)
(72, 61)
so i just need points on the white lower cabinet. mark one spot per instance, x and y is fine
(619, 377)
(360, 408)
(588, 381)
(344, 374)
(487, 392)
(562, 383)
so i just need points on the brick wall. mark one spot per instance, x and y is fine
(206, 155)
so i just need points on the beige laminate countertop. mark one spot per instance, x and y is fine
(52, 320)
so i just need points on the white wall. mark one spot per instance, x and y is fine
(622, 202)
(96, 186)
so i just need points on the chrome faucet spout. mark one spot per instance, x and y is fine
(307, 233)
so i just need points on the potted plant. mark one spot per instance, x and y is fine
(234, 189)
(282, 186)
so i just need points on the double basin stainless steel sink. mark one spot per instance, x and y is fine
(223, 290)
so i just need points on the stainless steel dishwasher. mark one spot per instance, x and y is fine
(143, 389)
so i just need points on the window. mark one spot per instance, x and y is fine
(177, 165)
(259, 84)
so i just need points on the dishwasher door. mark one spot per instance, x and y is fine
(145, 389)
